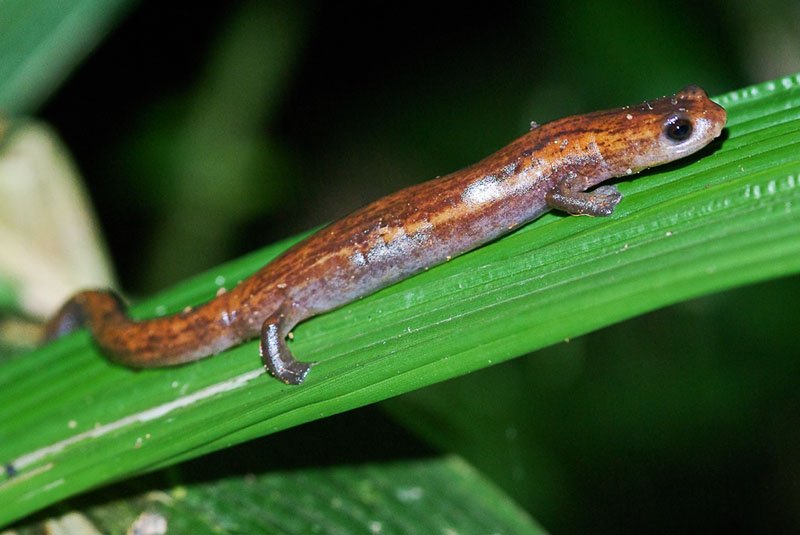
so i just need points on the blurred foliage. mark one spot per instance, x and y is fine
(421, 496)
(199, 159)
(43, 41)
(413, 496)
(203, 139)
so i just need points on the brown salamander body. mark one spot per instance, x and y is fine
(396, 236)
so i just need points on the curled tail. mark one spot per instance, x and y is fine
(82, 310)
(183, 337)
(165, 341)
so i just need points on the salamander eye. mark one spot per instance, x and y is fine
(678, 128)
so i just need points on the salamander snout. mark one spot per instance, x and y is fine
(694, 100)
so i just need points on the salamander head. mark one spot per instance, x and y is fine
(670, 128)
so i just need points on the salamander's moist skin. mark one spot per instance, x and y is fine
(552, 166)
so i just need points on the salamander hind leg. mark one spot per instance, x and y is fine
(276, 355)
(569, 198)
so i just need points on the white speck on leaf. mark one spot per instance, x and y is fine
(410, 494)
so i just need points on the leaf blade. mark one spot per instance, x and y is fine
(723, 220)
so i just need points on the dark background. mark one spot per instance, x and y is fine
(271, 118)
(207, 131)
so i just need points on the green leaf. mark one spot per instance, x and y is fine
(727, 217)
(41, 41)
(426, 496)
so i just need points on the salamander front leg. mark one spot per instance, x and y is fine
(569, 196)
(276, 355)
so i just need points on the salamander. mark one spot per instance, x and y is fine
(553, 166)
